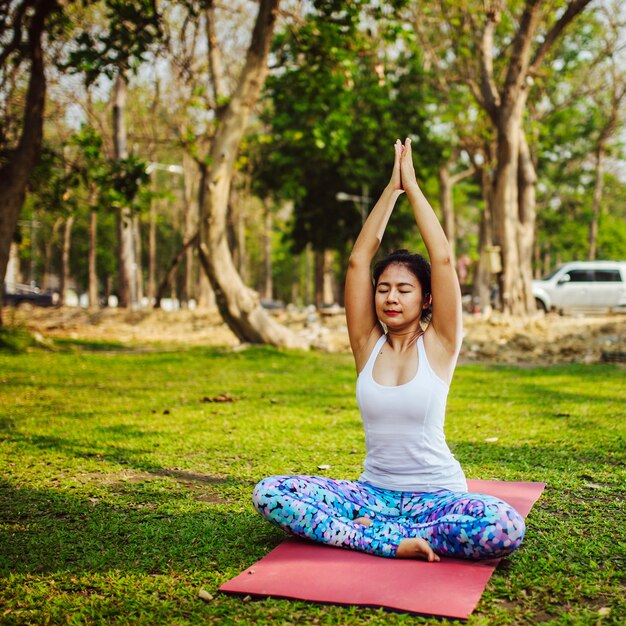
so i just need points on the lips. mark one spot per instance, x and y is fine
(392, 313)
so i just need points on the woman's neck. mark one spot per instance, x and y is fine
(401, 340)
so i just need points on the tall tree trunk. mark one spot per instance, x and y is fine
(93, 246)
(447, 207)
(527, 182)
(16, 169)
(597, 202)
(152, 253)
(239, 306)
(481, 292)
(190, 216)
(319, 278)
(266, 287)
(328, 283)
(65, 259)
(506, 209)
(127, 294)
(137, 268)
(446, 201)
(48, 248)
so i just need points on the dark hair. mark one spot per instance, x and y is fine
(416, 264)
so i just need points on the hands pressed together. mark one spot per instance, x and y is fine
(403, 175)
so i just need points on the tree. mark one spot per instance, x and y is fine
(498, 50)
(239, 305)
(22, 29)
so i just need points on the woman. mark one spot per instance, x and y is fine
(411, 500)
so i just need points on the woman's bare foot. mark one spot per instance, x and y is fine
(416, 549)
(364, 521)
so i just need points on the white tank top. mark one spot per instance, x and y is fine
(404, 438)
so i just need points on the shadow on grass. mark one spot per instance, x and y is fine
(47, 531)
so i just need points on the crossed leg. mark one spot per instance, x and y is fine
(388, 523)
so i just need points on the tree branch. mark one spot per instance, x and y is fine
(520, 55)
(215, 57)
(573, 9)
(490, 98)
(16, 40)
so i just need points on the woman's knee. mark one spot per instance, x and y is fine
(509, 532)
(265, 490)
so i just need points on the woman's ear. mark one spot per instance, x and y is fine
(428, 300)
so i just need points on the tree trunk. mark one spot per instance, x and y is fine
(127, 294)
(137, 269)
(266, 287)
(597, 202)
(447, 207)
(239, 306)
(506, 210)
(329, 278)
(446, 201)
(481, 292)
(152, 253)
(93, 275)
(190, 210)
(527, 182)
(17, 167)
(65, 259)
(319, 278)
(47, 255)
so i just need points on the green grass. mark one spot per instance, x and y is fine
(125, 489)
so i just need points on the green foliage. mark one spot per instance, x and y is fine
(125, 490)
(132, 29)
(333, 112)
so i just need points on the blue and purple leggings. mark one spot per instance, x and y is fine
(455, 524)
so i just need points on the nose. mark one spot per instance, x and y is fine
(392, 295)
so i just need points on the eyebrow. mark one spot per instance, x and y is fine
(397, 284)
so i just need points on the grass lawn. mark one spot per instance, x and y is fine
(125, 481)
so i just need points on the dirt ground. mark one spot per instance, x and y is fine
(542, 340)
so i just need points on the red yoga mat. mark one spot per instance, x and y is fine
(308, 571)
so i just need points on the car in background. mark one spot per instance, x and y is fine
(28, 294)
(598, 286)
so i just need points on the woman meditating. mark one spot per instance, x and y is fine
(411, 499)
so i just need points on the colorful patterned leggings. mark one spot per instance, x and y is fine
(455, 524)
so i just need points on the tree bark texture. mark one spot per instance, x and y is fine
(446, 202)
(447, 208)
(16, 171)
(93, 274)
(481, 293)
(597, 201)
(65, 259)
(238, 304)
(125, 230)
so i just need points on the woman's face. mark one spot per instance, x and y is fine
(398, 297)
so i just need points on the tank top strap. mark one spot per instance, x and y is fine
(423, 358)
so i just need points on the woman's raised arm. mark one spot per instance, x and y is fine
(447, 318)
(359, 292)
